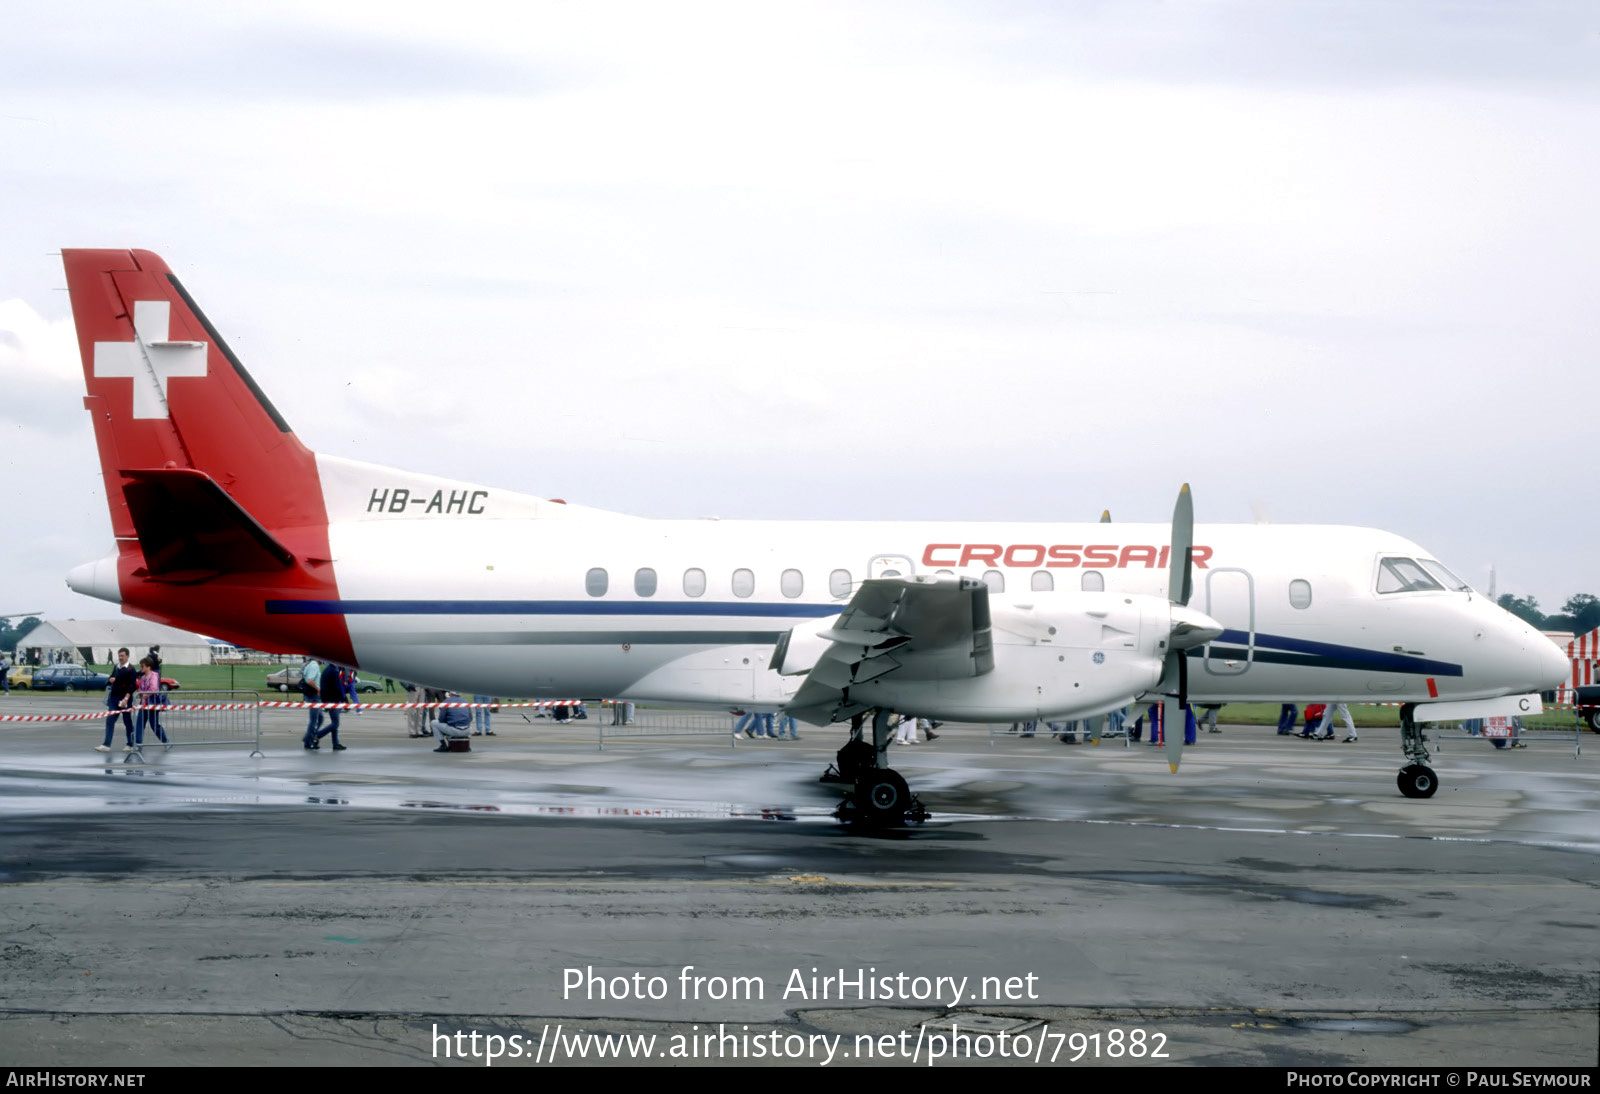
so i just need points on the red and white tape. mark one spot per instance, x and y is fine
(178, 707)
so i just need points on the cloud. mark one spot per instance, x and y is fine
(40, 364)
(139, 56)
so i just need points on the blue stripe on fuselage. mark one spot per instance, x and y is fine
(1295, 651)
(547, 607)
(1329, 655)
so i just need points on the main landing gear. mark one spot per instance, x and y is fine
(1416, 779)
(881, 798)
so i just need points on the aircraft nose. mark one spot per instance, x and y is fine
(1550, 665)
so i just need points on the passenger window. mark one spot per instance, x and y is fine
(1299, 593)
(945, 573)
(595, 582)
(792, 583)
(1094, 581)
(890, 573)
(1043, 581)
(644, 582)
(694, 582)
(995, 580)
(839, 583)
(744, 582)
(1402, 575)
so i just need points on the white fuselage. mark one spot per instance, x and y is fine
(505, 594)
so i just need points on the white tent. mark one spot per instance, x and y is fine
(96, 641)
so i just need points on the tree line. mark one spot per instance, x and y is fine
(1580, 614)
(9, 633)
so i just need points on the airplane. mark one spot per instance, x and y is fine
(227, 524)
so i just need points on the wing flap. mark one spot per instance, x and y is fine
(937, 628)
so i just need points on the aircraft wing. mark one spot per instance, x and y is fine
(918, 628)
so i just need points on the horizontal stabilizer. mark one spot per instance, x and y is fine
(191, 530)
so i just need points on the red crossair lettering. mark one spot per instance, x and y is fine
(1035, 552)
(980, 552)
(1100, 555)
(1064, 555)
(1137, 553)
(929, 560)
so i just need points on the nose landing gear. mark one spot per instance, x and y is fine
(1416, 779)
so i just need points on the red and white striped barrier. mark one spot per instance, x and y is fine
(168, 708)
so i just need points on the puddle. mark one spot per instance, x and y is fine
(1354, 1025)
(1275, 892)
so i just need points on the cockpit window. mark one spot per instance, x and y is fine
(1443, 576)
(1403, 575)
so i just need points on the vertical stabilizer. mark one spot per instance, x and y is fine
(165, 391)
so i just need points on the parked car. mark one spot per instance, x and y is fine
(285, 679)
(21, 676)
(68, 678)
(1588, 704)
(289, 680)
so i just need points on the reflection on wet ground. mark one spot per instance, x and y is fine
(1247, 779)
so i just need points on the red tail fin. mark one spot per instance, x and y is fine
(216, 505)
(165, 391)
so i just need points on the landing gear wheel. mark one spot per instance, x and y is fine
(855, 758)
(1417, 781)
(882, 797)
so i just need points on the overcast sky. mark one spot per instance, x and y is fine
(1334, 261)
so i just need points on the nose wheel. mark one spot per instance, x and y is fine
(1417, 781)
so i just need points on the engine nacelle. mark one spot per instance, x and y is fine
(1065, 655)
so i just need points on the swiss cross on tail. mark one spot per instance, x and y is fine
(150, 360)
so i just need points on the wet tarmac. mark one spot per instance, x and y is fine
(1277, 901)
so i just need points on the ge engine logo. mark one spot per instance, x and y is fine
(1099, 658)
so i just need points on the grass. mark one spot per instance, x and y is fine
(239, 678)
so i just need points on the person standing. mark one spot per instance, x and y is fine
(1115, 721)
(907, 732)
(5, 669)
(1343, 710)
(331, 687)
(416, 717)
(1315, 714)
(347, 688)
(1287, 718)
(149, 695)
(311, 691)
(160, 700)
(481, 712)
(119, 697)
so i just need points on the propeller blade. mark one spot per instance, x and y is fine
(1180, 585)
(1105, 516)
(1174, 710)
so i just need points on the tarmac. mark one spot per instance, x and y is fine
(1275, 902)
